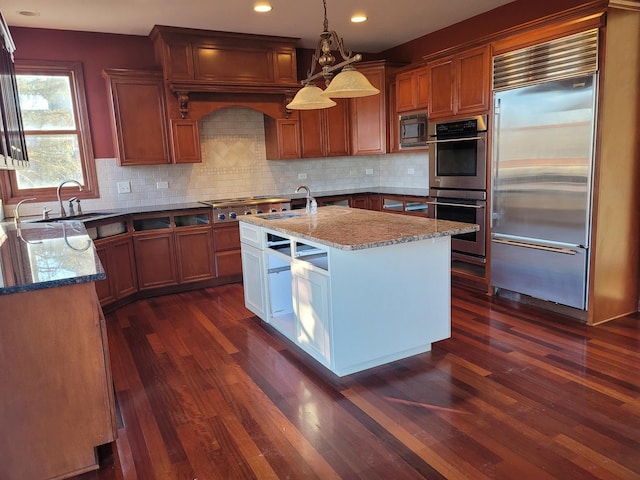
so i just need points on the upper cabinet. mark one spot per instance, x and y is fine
(460, 84)
(200, 60)
(325, 132)
(142, 133)
(369, 117)
(13, 148)
(412, 90)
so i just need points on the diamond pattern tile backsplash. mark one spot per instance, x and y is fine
(234, 164)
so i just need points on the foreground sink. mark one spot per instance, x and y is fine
(77, 218)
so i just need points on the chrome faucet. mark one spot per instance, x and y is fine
(16, 211)
(63, 214)
(310, 200)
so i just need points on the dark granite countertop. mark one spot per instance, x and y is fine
(35, 256)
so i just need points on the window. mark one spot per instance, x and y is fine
(54, 115)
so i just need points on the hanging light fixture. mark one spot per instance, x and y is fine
(348, 83)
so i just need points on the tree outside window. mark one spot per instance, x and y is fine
(54, 116)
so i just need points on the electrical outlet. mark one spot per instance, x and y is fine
(124, 187)
(353, 172)
(369, 171)
(411, 171)
(302, 176)
(160, 185)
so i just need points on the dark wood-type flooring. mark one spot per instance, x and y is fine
(205, 391)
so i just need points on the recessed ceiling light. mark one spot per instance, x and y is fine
(359, 18)
(29, 13)
(262, 8)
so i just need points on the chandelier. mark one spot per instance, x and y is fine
(348, 83)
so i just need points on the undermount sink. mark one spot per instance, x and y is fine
(76, 218)
(279, 216)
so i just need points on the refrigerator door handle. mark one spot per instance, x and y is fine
(547, 248)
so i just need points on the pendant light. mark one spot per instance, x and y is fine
(348, 83)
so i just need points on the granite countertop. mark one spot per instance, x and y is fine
(35, 256)
(357, 229)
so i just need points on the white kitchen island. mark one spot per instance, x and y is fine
(352, 288)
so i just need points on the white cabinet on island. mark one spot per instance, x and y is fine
(352, 288)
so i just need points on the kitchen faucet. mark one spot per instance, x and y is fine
(16, 211)
(312, 206)
(63, 214)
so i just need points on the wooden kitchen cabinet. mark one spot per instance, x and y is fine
(460, 84)
(412, 90)
(56, 392)
(142, 132)
(194, 252)
(139, 117)
(369, 114)
(282, 137)
(155, 259)
(118, 260)
(226, 239)
(325, 132)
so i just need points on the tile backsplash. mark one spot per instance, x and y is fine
(234, 164)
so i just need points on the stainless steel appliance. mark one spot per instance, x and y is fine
(413, 130)
(463, 206)
(229, 209)
(543, 142)
(459, 153)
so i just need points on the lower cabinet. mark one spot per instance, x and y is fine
(312, 304)
(118, 260)
(253, 273)
(56, 391)
(173, 248)
(226, 239)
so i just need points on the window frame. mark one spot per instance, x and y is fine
(73, 70)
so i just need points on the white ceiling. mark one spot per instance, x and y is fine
(391, 22)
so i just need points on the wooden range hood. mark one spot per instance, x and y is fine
(223, 69)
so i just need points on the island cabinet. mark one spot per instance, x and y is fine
(412, 90)
(460, 84)
(142, 131)
(349, 309)
(325, 132)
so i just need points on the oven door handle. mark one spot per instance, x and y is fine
(449, 140)
(446, 204)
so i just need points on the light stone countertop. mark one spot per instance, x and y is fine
(356, 229)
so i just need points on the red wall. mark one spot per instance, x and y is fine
(96, 51)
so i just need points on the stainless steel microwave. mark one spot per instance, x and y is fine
(413, 130)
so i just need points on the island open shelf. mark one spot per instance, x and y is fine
(350, 307)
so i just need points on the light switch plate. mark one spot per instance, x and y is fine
(302, 176)
(124, 187)
(369, 171)
(160, 185)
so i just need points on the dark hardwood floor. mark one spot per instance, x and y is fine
(205, 391)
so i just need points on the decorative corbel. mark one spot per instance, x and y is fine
(183, 103)
(287, 100)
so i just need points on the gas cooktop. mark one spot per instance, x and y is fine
(229, 209)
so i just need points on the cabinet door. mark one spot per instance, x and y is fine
(336, 129)
(312, 133)
(104, 288)
(227, 250)
(282, 137)
(359, 201)
(311, 298)
(155, 260)
(441, 91)
(139, 117)
(406, 91)
(185, 141)
(194, 251)
(422, 88)
(473, 77)
(123, 268)
(369, 117)
(253, 274)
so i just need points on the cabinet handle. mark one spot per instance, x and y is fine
(446, 204)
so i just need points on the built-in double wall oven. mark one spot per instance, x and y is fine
(458, 180)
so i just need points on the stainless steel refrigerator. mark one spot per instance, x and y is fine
(542, 154)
